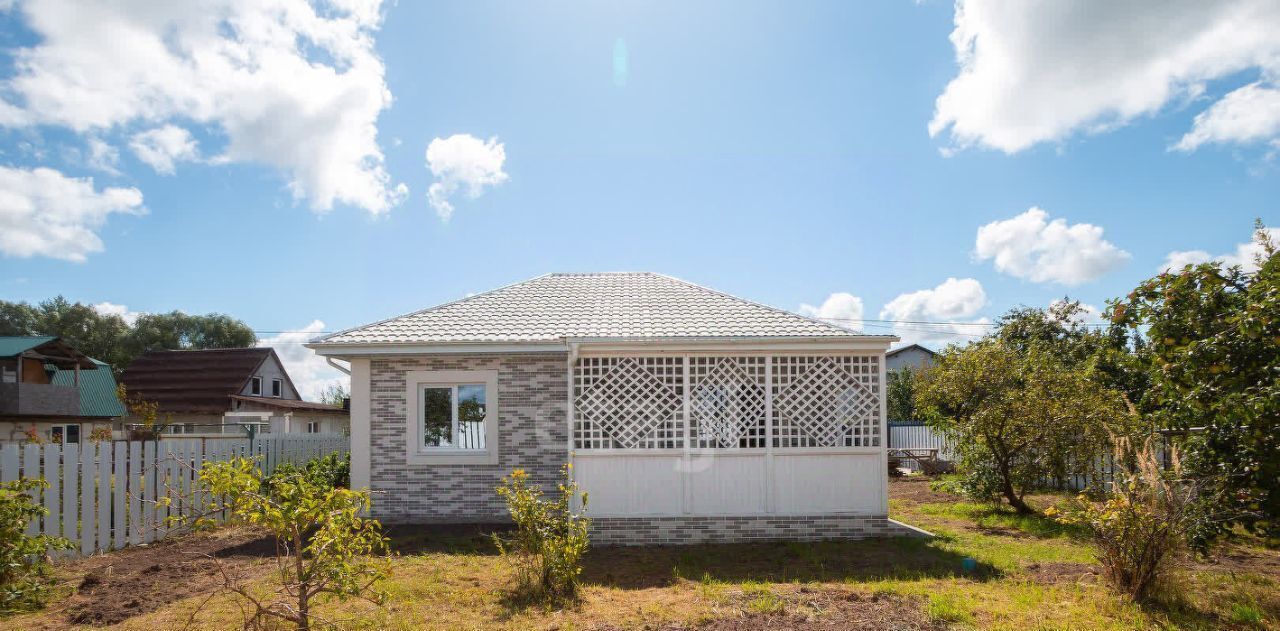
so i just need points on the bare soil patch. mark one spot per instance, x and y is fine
(118, 586)
(811, 609)
(915, 489)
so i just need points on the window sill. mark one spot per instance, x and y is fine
(446, 457)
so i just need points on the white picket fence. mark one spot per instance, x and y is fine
(111, 494)
(918, 437)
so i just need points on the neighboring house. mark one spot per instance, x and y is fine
(227, 392)
(50, 389)
(688, 415)
(913, 356)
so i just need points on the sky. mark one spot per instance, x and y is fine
(309, 167)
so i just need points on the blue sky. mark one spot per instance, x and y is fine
(775, 150)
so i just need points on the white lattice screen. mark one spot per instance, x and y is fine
(640, 402)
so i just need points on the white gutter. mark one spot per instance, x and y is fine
(332, 362)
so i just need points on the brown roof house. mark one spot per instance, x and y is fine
(227, 392)
(689, 415)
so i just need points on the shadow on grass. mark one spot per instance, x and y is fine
(1000, 519)
(864, 560)
(445, 538)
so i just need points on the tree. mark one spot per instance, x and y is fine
(1212, 358)
(324, 547)
(1017, 419)
(334, 394)
(177, 330)
(97, 335)
(901, 394)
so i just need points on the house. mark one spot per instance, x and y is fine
(226, 392)
(687, 414)
(53, 392)
(913, 356)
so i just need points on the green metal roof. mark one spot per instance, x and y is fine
(97, 389)
(11, 346)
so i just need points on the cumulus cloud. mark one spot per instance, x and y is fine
(1245, 255)
(841, 309)
(45, 213)
(111, 308)
(289, 84)
(942, 314)
(102, 156)
(1031, 246)
(1042, 70)
(161, 147)
(464, 163)
(310, 373)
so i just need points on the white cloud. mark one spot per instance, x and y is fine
(45, 213)
(310, 373)
(102, 156)
(1042, 70)
(161, 147)
(288, 84)
(1248, 114)
(1246, 255)
(1032, 247)
(943, 314)
(841, 309)
(464, 162)
(111, 308)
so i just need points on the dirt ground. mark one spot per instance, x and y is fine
(833, 609)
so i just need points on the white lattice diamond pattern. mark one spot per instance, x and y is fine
(826, 402)
(725, 404)
(627, 403)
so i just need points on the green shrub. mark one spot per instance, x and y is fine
(550, 538)
(23, 558)
(1140, 525)
(332, 471)
(325, 548)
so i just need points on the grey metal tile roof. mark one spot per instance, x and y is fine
(613, 306)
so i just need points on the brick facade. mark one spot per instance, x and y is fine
(531, 401)
(725, 529)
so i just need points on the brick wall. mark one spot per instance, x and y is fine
(532, 435)
(724, 529)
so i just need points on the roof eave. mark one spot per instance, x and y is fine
(830, 342)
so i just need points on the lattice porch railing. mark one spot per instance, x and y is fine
(727, 402)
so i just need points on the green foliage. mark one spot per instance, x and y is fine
(901, 395)
(22, 557)
(1019, 419)
(550, 538)
(1139, 528)
(324, 547)
(334, 394)
(331, 471)
(1212, 349)
(109, 338)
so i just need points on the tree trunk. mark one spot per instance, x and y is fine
(1006, 487)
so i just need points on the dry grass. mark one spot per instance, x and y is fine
(1029, 575)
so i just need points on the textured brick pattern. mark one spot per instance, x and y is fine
(532, 396)
(691, 530)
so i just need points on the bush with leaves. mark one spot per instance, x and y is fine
(325, 548)
(332, 471)
(550, 538)
(1018, 419)
(1140, 525)
(23, 558)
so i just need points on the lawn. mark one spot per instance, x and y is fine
(1024, 573)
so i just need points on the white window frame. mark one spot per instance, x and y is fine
(415, 451)
(277, 385)
(255, 386)
(63, 427)
(313, 427)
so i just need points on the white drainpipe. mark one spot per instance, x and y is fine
(331, 362)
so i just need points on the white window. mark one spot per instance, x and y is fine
(65, 434)
(277, 387)
(313, 427)
(255, 386)
(451, 416)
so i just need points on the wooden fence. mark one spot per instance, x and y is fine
(107, 495)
